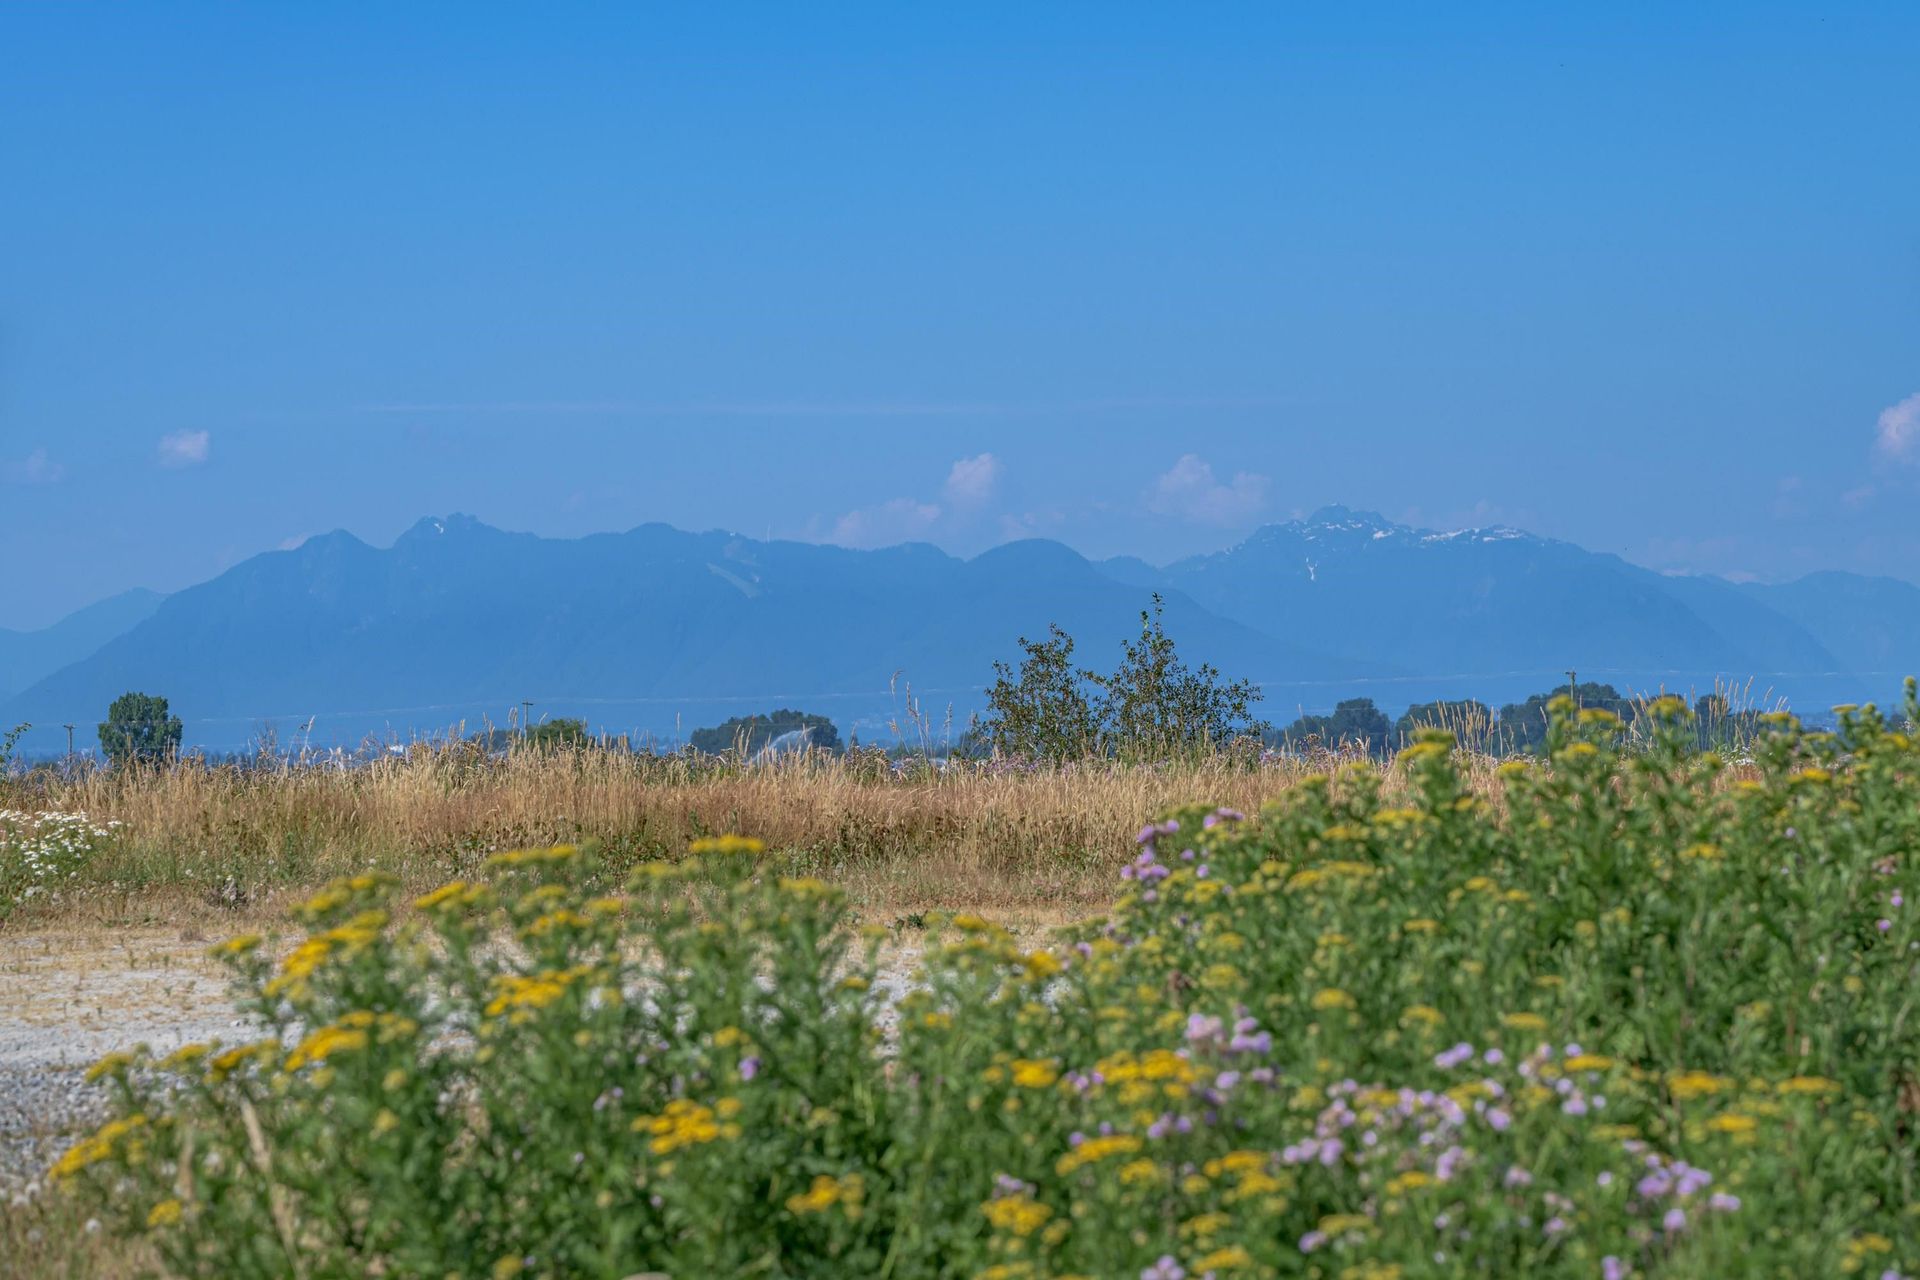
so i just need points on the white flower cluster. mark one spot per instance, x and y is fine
(38, 851)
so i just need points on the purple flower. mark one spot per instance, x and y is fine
(1518, 1177)
(1498, 1119)
(1897, 900)
(1555, 1226)
(1692, 1180)
(1883, 925)
(1312, 1240)
(1722, 1202)
(1575, 1106)
(1493, 1057)
(1204, 1030)
(749, 1068)
(1200, 872)
(1611, 1268)
(1603, 1178)
(1165, 1269)
(1448, 1059)
(1676, 1220)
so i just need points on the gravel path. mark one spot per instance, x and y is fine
(65, 1001)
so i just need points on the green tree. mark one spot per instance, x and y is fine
(139, 728)
(1152, 706)
(1048, 709)
(1155, 705)
(752, 733)
(562, 731)
(1355, 722)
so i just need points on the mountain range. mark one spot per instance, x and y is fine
(658, 631)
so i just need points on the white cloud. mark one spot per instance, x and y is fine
(972, 480)
(1855, 499)
(35, 468)
(900, 520)
(1190, 491)
(1899, 430)
(184, 448)
(970, 485)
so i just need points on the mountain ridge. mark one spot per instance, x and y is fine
(658, 629)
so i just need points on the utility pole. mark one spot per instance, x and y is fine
(69, 729)
(1573, 688)
(526, 725)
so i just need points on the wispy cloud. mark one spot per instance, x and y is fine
(973, 480)
(965, 497)
(1190, 491)
(184, 448)
(1898, 435)
(898, 520)
(35, 468)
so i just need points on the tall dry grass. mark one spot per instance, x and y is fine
(900, 842)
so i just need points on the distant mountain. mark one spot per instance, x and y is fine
(1486, 603)
(649, 629)
(26, 656)
(1869, 624)
(661, 631)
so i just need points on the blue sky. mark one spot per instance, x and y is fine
(1139, 278)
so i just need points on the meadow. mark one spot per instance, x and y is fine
(195, 843)
(1629, 1010)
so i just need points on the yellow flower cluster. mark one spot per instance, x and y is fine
(325, 1043)
(1017, 1214)
(115, 1140)
(1094, 1150)
(686, 1123)
(726, 845)
(518, 995)
(348, 939)
(848, 1191)
(552, 856)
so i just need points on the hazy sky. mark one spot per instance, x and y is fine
(1140, 278)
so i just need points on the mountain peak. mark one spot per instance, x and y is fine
(432, 527)
(1339, 517)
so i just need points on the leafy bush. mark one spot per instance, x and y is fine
(1152, 707)
(39, 852)
(1640, 1018)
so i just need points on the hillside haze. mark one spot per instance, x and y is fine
(658, 631)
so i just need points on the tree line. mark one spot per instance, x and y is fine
(1047, 707)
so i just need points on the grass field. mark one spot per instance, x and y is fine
(1620, 1013)
(193, 844)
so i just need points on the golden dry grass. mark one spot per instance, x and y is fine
(201, 842)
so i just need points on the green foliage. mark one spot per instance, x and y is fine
(1048, 710)
(560, 731)
(1355, 724)
(1631, 1012)
(139, 729)
(8, 741)
(1153, 706)
(752, 733)
(1524, 725)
